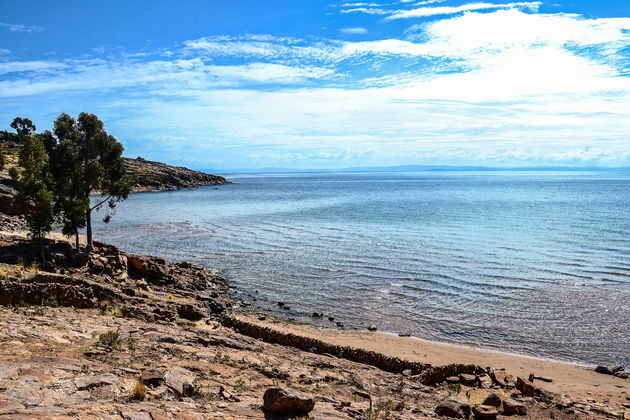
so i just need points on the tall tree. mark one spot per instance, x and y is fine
(35, 198)
(70, 205)
(95, 165)
(24, 128)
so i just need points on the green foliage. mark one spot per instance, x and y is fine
(51, 301)
(70, 203)
(88, 160)
(109, 339)
(48, 140)
(24, 128)
(35, 198)
(2, 160)
(103, 307)
(61, 169)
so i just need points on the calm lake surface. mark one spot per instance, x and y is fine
(535, 263)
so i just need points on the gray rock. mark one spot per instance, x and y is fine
(93, 381)
(135, 415)
(454, 407)
(603, 369)
(181, 380)
(281, 402)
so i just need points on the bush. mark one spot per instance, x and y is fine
(110, 339)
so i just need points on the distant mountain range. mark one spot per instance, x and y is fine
(419, 168)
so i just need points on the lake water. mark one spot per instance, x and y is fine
(528, 262)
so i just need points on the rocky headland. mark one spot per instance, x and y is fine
(147, 175)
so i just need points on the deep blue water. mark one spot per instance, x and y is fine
(534, 263)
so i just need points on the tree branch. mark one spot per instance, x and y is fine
(101, 203)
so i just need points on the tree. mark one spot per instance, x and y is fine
(35, 198)
(24, 128)
(98, 167)
(48, 140)
(1, 160)
(69, 203)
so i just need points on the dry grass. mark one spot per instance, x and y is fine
(139, 391)
(34, 268)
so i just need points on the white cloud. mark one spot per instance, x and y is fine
(504, 87)
(354, 31)
(449, 10)
(367, 10)
(21, 28)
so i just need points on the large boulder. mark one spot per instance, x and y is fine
(454, 407)
(281, 402)
(154, 268)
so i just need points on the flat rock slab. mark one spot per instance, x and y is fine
(485, 412)
(94, 381)
(181, 380)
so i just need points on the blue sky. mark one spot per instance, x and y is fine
(324, 84)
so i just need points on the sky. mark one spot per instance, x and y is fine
(323, 84)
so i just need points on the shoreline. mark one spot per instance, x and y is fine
(577, 380)
(383, 354)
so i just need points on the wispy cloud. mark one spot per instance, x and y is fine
(354, 31)
(500, 87)
(449, 10)
(17, 27)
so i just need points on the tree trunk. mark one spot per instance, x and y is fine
(88, 230)
(76, 238)
(40, 244)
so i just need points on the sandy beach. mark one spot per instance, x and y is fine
(580, 382)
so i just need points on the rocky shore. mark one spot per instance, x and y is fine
(147, 175)
(107, 334)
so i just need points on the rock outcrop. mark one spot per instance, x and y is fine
(147, 175)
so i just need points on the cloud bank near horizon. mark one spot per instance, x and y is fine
(473, 84)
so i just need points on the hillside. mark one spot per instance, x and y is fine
(147, 175)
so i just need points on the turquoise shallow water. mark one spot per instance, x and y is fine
(529, 262)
